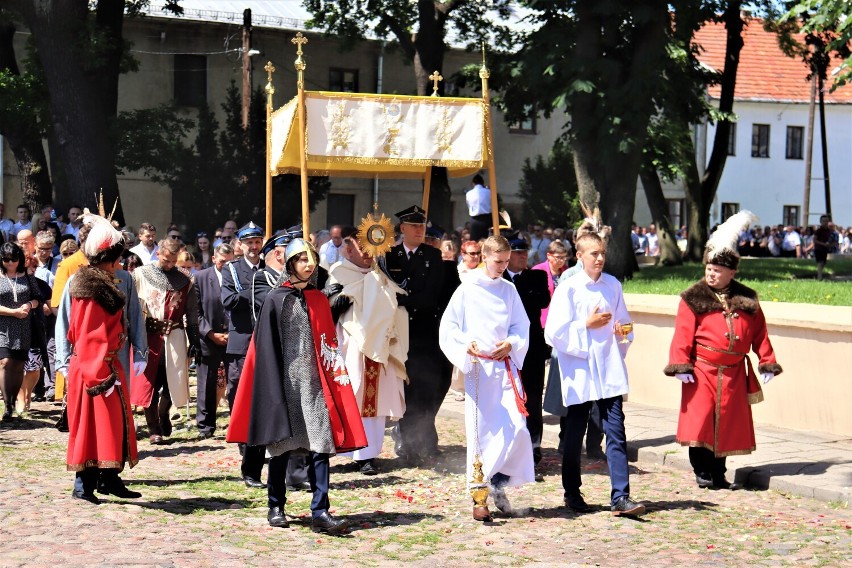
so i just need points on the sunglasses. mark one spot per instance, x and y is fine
(10, 260)
(201, 235)
(67, 253)
(473, 253)
(174, 237)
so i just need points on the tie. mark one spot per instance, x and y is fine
(410, 253)
(254, 269)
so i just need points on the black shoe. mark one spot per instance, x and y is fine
(722, 483)
(576, 502)
(90, 497)
(627, 506)
(367, 467)
(539, 477)
(253, 483)
(703, 482)
(116, 487)
(327, 524)
(301, 486)
(276, 518)
(596, 454)
(166, 428)
(38, 398)
(204, 434)
(7, 414)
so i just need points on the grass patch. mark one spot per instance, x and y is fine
(775, 279)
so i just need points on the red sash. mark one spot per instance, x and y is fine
(520, 399)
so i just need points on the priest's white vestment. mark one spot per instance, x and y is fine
(373, 338)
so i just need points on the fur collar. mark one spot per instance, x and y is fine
(701, 299)
(93, 283)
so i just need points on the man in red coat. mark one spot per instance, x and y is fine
(294, 394)
(719, 321)
(101, 436)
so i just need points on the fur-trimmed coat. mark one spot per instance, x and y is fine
(101, 432)
(713, 345)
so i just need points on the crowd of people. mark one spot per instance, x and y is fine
(318, 342)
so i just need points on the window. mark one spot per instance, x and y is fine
(732, 140)
(728, 209)
(343, 80)
(190, 80)
(341, 209)
(760, 141)
(525, 126)
(676, 213)
(795, 138)
(791, 215)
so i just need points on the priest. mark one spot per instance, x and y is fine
(374, 342)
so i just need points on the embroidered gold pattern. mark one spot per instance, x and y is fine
(445, 132)
(340, 130)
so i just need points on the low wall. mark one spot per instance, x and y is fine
(812, 343)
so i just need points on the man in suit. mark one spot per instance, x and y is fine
(237, 277)
(419, 270)
(213, 328)
(535, 295)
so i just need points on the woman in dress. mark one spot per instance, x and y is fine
(19, 295)
(203, 253)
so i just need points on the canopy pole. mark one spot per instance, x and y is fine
(300, 65)
(270, 90)
(484, 74)
(427, 186)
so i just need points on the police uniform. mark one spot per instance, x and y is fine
(237, 277)
(421, 273)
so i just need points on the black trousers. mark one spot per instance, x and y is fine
(532, 377)
(318, 476)
(208, 375)
(429, 375)
(706, 465)
(253, 456)
(157, 413)
(479, 226)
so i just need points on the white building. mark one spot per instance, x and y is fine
(765, 169)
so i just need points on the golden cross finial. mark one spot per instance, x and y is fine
(483, 71)
(435, 77)
(270, 69)
(299, 41)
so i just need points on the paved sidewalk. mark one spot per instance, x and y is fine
(811, 464)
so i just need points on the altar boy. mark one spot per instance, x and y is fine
(584, 328)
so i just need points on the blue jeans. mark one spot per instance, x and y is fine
(612, 424)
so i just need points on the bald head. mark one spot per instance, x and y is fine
(26, 241)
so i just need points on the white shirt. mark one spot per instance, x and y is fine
(791, 240)
(591, 361)
(329, 253)
(147, 256)
(71, 230)
(653, 244)
(6, 228)
(478, 200)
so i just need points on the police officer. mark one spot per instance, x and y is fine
(419, 270)
(237, 277)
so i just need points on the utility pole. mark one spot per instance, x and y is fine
(809, 156)
(246, 66)
(824, 141)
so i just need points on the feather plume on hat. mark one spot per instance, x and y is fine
(721, 247)
(592, 223)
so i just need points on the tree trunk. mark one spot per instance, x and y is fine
(669, 252)
(607, 162)
(77, 118)
(700, 193)
(23, 137)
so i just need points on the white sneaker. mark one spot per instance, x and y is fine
(500, 500)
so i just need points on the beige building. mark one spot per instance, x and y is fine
(194, 58)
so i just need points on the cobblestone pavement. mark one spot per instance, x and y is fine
(195, 511)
